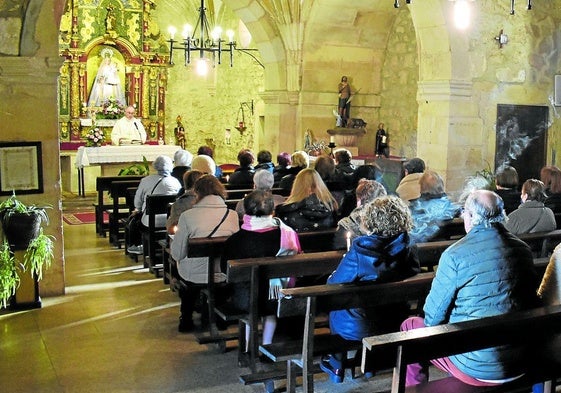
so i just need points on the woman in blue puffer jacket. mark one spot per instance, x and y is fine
(382, 255)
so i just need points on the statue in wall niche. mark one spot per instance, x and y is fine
(110, 21)
(107, 83)
(179, 132)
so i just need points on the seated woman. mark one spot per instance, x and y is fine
(344, 168)
(310, 206)
(553, 200)
(284, 161)
(160, 183)
(350, 227)
(381, 255)
(368, 172)
(432, 209)
(209, 217)
(300, 160)
(325, 166)
(185, 201)
(532, 215)
(506, 182)
(262, 180)
(243, 176)
(261, 235)
(182, 163)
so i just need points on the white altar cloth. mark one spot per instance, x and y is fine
(87, 156)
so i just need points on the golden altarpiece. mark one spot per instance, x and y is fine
(114, 57)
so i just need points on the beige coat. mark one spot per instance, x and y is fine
(550, 290)
(199, 221)
(409, 187)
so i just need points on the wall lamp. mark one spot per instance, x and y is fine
(397, 5)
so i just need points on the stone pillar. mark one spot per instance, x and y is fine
(281, 121)
(450, 136)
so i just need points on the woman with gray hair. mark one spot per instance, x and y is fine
(351, 227)
(262, 180)
(160, 183)
(381, 254)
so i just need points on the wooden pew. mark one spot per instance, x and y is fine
(104, 204)
(212, 247)
(313, 300)
(538, 329)
(313, 241)
(541, 242)
(155, 204)
(120, 193)
(450, 229)
(241, 193)
(255, 270)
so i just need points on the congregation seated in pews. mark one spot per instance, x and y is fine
(270, 264)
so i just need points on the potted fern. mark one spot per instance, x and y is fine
(22, 231)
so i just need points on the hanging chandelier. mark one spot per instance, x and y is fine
(204, 40)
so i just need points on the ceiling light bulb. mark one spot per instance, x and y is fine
(172, 30)
(230, 35)
(187, 29)
(201, 67)
(462, 14)
(216, 33)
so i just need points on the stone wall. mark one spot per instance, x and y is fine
(28, 109)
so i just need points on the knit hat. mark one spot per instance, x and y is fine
(163, 165)
(182, 158)
(204, 164)
(263, 179)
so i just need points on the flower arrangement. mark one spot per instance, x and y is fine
(95, 137)
(111, 109)
(317, 148)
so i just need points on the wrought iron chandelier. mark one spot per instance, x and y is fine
(205, 40)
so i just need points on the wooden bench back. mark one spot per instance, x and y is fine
(212, 247)
(542, 242)
(120, 194)
(240, 270)
(331, 297)
(419, 345)
(103, 185)
(157, 204)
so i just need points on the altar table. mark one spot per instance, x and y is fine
(87, 156)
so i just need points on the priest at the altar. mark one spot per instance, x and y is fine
(128, 130)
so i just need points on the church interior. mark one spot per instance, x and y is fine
(466, 90)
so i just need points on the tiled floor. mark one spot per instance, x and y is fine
(115, 330)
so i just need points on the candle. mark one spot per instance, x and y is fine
(331, 139)
(348, 241)
(227, 178)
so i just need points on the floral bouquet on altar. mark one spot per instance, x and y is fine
(317, 148)
(95, 137)
(111, 109)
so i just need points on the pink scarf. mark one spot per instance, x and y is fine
(289, 245)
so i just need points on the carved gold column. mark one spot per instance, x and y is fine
(75, 99)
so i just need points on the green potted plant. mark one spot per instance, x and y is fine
(21, 227)
(141, 169)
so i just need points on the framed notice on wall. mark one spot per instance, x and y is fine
(21, 168)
